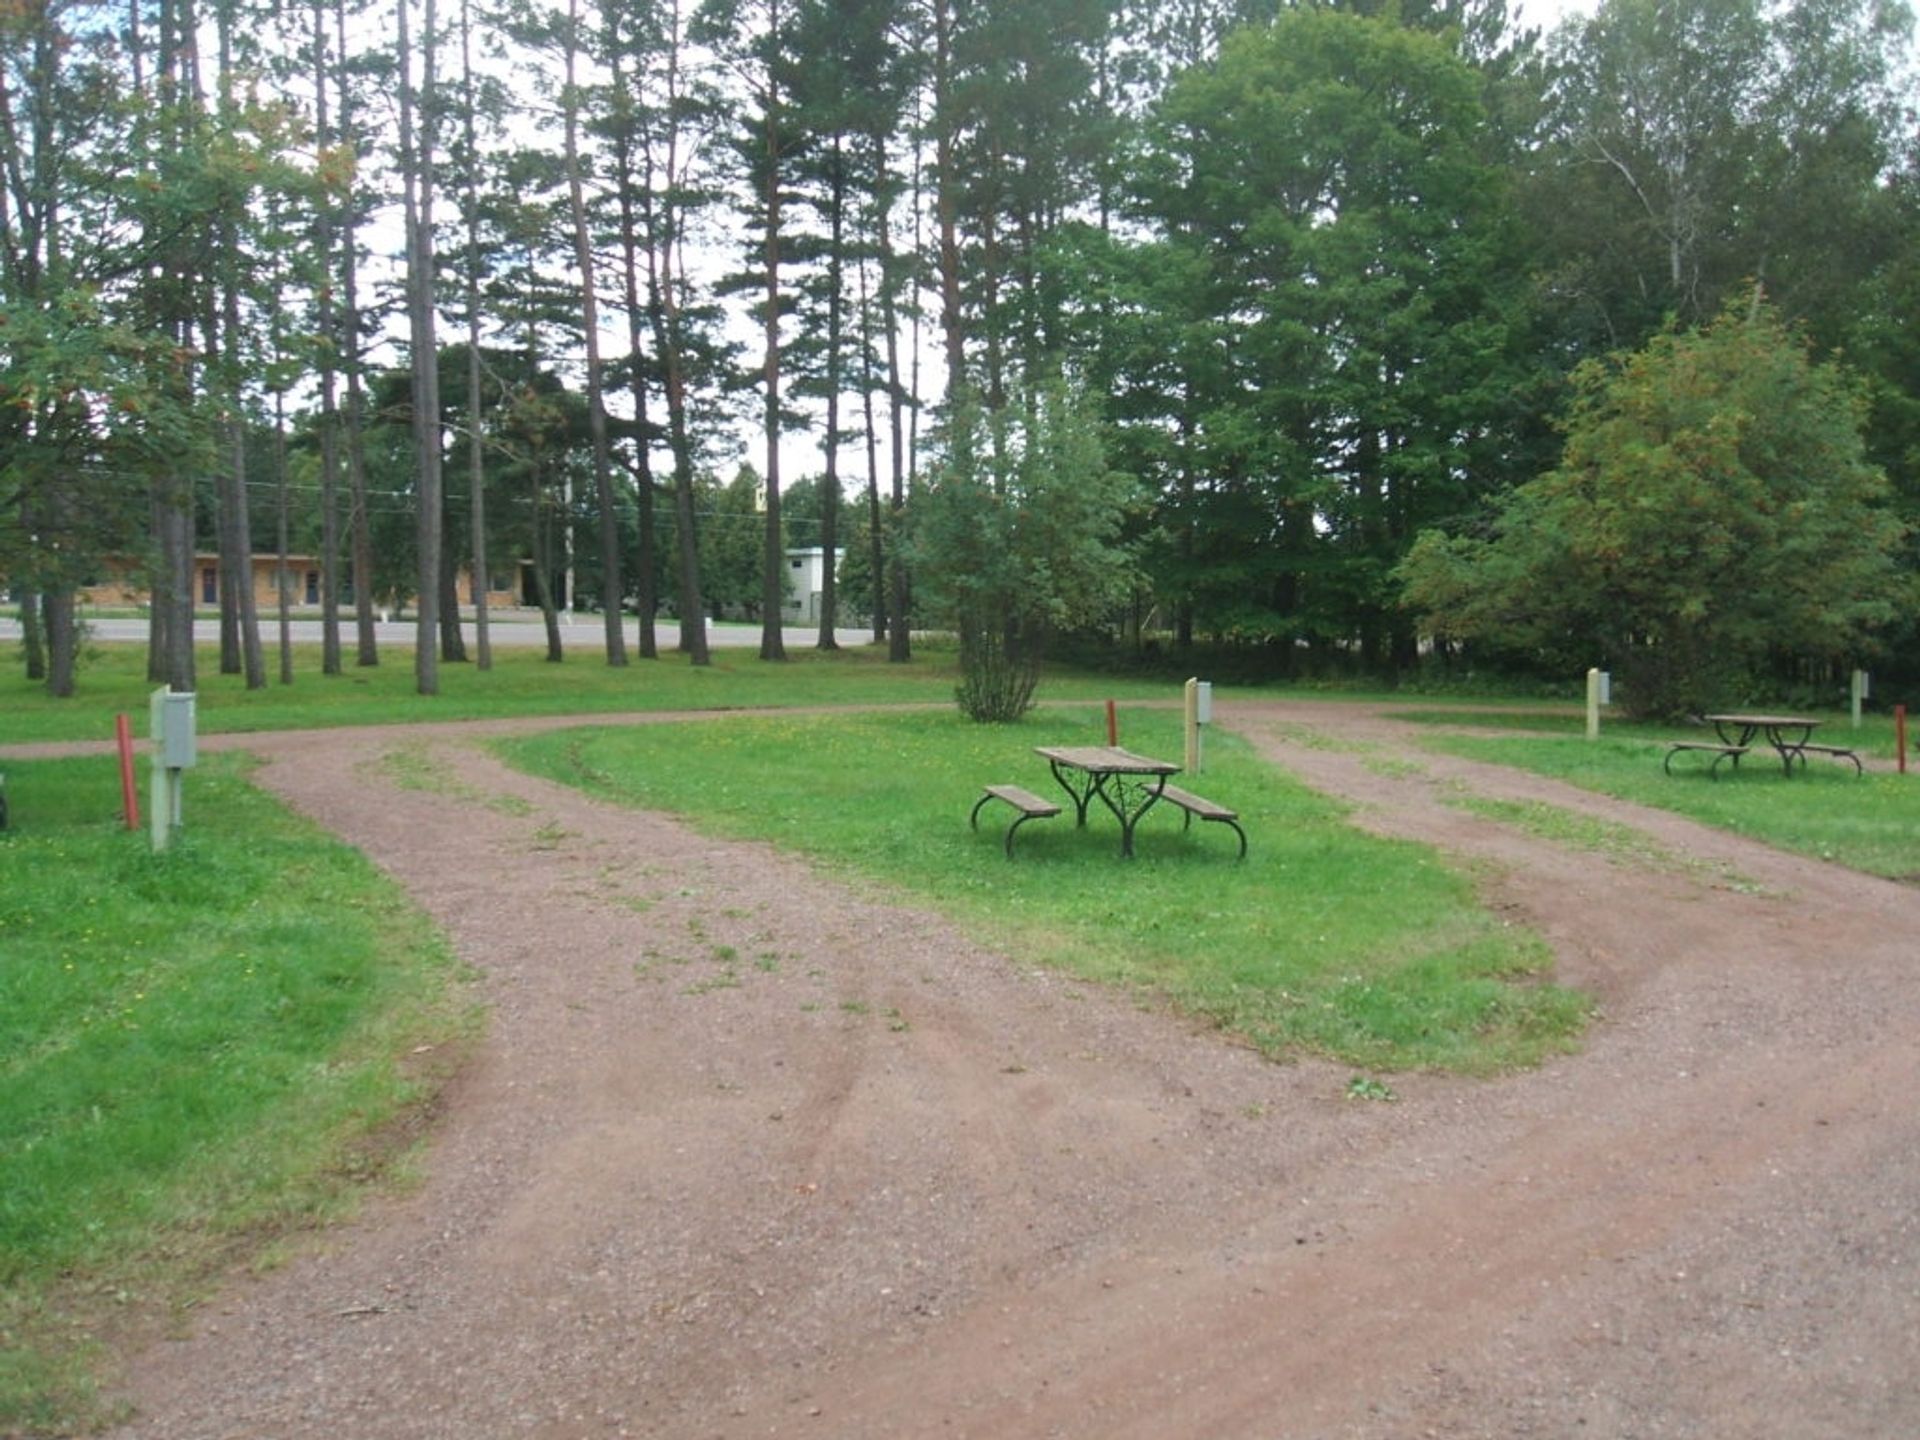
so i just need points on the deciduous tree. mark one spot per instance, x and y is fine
(1018, 536)
(1714, 511)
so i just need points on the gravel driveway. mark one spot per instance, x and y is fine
(750, 1152)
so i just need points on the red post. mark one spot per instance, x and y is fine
(129, 798)
(1900, 735)
(1113, 725)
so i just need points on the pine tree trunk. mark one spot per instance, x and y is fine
(173, 492)
(32, 635)
(239, 616)
(646, 564)
(252, 660)
(283, 527)
(63, 641)
(329, 417)
(476, 411)
(646, 568)
(693, 626)
(175, 593)
(664, 281)
(453, 645)
(329, 423)
(230, 559)
(773, 562)
(830, 484)
(360, 522)
(875, 557)
(946, 201)
(477, 491)
(543, 575)
(159, 585)
(360, 526)
(612, 591)
(887, 556)
(417, 186)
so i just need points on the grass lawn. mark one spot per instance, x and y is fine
(1292, 949)
(521, 682)
(200, 1052)
(1869, 822)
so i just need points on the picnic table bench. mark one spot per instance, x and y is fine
(1833, 752)
(1718, 751)
(1030, 806)
(1206, 809)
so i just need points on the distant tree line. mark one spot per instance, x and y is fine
(1295, 330)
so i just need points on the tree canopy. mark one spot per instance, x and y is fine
(1020, 535)
(1714, 509)
(1319, 276)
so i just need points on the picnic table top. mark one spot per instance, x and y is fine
(1766, 720)
(1105, 760)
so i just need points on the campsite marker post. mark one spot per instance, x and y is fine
(129, 796)
(1199, 712)
(171, 729)
(1599, 692)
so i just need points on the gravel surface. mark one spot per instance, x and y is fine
(749, 1152)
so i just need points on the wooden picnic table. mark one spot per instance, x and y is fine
(1787, 734)
(1127, 784)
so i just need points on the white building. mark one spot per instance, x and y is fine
(806, 579)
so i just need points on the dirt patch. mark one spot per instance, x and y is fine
(747, 1152)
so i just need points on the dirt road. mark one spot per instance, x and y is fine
(748, 1153)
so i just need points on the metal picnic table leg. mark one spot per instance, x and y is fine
(1079, 794)
(1128, 816)
(1747, 732)
(1790, 750)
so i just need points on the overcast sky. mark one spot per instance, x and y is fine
(1548, 13)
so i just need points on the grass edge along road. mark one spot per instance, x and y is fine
(203, 1052)
(1866, 822)
(1291, 949)
(521, 682)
